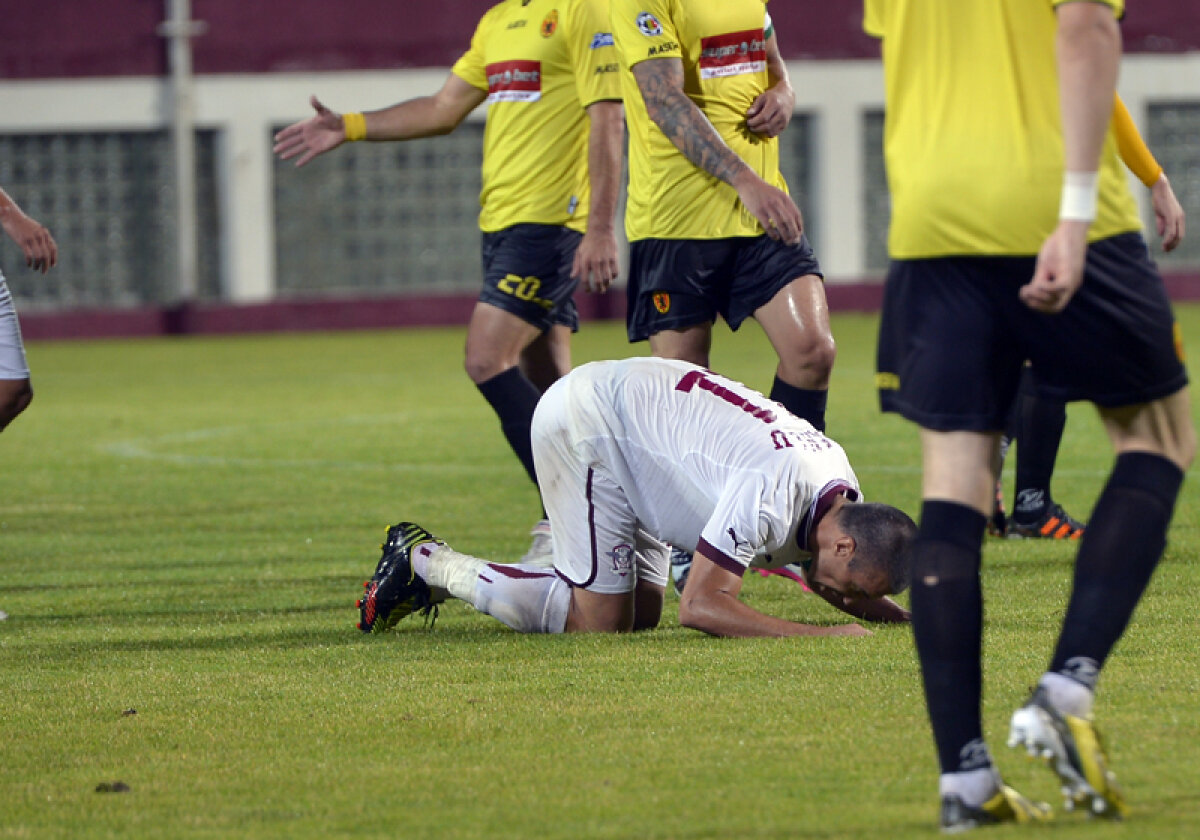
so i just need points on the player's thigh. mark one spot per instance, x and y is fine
(766, 268)
(690, 344)
(496, 340)
(1163, 426)
(548, 357)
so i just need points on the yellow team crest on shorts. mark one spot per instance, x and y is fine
(550, 24)
(662, 302)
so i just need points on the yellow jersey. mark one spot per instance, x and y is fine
(975, 166)
(722, 45)
(542, 63)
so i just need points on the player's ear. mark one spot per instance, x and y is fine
(844, 547)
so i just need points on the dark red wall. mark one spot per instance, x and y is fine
(66, 38)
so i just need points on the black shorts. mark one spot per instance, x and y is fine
(527, 272)
(954, 336)
(678, 283)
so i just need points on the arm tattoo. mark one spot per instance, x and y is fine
(685, 125)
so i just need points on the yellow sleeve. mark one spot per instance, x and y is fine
(644, 29)
(472, 67)
(1132, 147)
(597, 75)
(873, 18)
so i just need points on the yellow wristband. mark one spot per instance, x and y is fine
(356, 126)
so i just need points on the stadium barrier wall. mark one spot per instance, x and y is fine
(839, 104)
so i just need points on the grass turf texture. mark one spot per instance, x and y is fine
(185, 527)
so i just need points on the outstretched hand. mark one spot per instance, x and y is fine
(314, 136)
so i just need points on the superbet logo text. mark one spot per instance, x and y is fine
(514, 81)
(733, 54)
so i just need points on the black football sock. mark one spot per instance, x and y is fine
(806, 403)
(513, 397)
(947, 619)
(1117, 556)
(1040, 424)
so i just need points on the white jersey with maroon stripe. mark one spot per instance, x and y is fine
(701, 459)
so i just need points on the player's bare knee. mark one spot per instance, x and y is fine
(809, 360)
(480, 367)
(15, 397)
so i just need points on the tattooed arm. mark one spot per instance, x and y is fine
(661, 83)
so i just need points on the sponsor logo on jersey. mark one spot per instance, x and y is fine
(601, 69)
(550, 23)
(662, 302)
(516, 24)
(733, 54)
(518, 80)
(649, 25)
(602, 39)
(662, 49)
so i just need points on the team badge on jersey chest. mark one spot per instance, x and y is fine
(733, 54)
(550, 23)
(518, 80)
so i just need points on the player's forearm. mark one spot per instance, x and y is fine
(1089, 54)
(777, 73)
(1132, 147)
(685, 125)
(605, 141)
(723, 614)
(414, 118)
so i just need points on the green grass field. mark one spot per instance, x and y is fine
(184, 528)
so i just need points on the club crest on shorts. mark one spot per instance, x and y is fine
(622, 559)
(662, 302)
(550, 24)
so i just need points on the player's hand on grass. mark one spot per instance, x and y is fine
(595, 265)
(311, 137)
(771, 111)
(1168, 213)
(1059, 271)
(35, 241)
(774, 209)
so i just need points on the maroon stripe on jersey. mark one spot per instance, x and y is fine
(720, 558)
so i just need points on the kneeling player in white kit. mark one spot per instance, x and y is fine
(637, 454)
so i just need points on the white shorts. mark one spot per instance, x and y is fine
(599, 545)
(12, 349)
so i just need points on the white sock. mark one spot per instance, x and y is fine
(974, 787)
(442, 567)
(1067, 695)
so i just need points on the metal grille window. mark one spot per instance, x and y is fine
(1173, 135)
(381, 217)
(876, 202)
(107, 198)
(797, 146)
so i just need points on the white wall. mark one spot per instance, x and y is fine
(244, 108)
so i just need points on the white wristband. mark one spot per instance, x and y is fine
(1079, 196)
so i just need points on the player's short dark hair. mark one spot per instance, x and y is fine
(883, 536)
